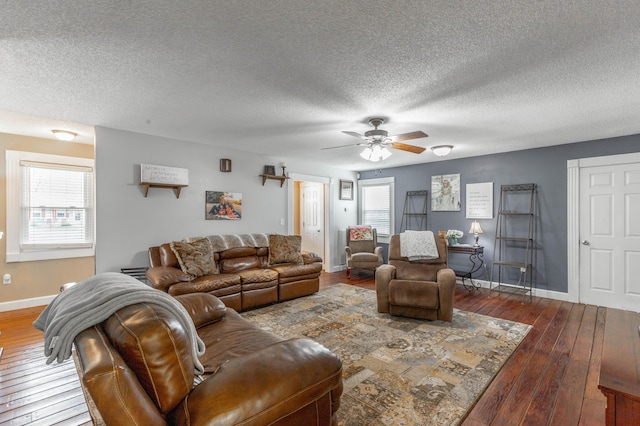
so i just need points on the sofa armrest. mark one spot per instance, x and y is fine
(446, 280)
(384, 275)
(264, 386)
(310, 257)
(203, 308)
(378, 252)
(163, 277)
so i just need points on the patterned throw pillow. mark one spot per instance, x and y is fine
(195, 257)
(285, 249)
(360, 233)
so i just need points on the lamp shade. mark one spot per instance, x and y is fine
(475, 228)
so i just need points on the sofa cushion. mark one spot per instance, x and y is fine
(258, 276)
(217, 284)
(285, 249)
(195, 257)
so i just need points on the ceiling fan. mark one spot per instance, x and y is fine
(377, 141)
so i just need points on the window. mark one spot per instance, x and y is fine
(376, 206)
(50, 212)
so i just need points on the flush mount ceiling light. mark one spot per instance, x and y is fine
(375, 152)
(442, 150)
(64, 135)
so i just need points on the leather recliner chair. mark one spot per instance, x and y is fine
(417, 289)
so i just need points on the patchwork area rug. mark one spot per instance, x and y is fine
(398, 371)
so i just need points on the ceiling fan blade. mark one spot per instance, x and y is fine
(357, 135)
(408, 136)
(342, 146)
(408, 148)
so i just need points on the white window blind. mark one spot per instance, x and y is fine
(376, 205)
(56, 205)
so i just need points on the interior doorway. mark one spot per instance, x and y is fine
(604, 235)
(312, 216)
(308, 207)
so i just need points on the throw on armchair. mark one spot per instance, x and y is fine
(420, 288)
(362, 249)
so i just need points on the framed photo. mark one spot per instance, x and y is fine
(221, 205)
(346, 189)
(270, 170)
(445, 193)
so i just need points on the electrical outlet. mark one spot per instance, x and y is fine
(6, 279)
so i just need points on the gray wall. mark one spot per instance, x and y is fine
(128, 223)
(546, 167)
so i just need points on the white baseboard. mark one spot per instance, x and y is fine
(548, 294)
(339, 268)
(26, 303)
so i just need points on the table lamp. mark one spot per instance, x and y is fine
(475, 230)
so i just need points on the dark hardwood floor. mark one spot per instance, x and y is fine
(551, 379)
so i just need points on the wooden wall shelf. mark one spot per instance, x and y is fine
(148, 185)
(280, 178)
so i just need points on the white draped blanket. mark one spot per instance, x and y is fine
(418, 245)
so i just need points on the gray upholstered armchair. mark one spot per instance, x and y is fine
(419, 288)
(362, 249)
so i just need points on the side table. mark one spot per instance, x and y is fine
(476, 256)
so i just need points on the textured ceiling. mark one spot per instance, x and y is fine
(283, 78)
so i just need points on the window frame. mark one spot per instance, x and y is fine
(16, 253)
(387, 181)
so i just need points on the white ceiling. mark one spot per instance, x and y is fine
(283, 78)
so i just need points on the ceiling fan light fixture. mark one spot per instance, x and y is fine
(442, 150)
(366, 154)
(385, 153)
(375, 153)
(64, 135)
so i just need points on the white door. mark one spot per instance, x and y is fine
(610, 236)
(312, 214)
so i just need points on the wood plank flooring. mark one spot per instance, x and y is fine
(551, 379)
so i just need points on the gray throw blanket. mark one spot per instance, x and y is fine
(95, 299)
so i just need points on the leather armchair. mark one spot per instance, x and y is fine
(417, 289)
(363, 254)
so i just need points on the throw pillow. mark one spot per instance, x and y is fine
(360, 233)
(195, 257)
(285, 249)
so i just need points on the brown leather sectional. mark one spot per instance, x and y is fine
(245, 280)
(138, 367)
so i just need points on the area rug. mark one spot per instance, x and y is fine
(398, 371)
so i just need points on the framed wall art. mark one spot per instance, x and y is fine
(270, 170)
(223, 205)
(445, 193)
(346, 189)
(479, 200)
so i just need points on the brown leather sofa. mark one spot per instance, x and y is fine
(138, 368)
(417, 289)
(244, 279)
